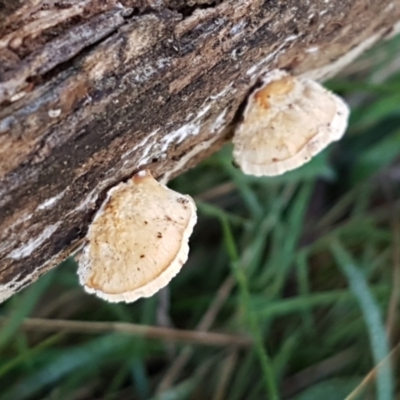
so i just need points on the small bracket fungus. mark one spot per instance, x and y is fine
(287, 121)
(138, 241)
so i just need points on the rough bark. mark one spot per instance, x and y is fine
(92, 91)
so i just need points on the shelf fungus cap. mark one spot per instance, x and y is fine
(287, 121)
(138, 241)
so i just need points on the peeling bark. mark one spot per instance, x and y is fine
(92, 91)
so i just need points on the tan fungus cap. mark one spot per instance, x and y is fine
(138, 240)
(287, 121)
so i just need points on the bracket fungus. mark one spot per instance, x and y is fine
(286, 122)
(138, 240)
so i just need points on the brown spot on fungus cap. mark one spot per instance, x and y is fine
(133, 249)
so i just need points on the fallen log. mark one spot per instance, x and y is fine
(92, 91)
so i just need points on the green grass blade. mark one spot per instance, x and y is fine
(213, 211)
(89, 354)
(247, 193)
(22, 307)
(289, 241)
(266, 364)
(376, 157)
(331, 389)
(372, 316)
(378, 110)
(30, 354)
(292, 305)
(140, 379)
(304, 288)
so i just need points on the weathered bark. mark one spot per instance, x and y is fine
(92, 91)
